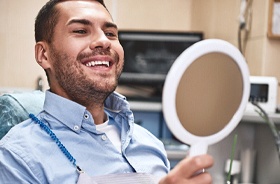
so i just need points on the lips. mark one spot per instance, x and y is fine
(98, 63)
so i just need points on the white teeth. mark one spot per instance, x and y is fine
(94, 63)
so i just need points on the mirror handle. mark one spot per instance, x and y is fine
(199, 148)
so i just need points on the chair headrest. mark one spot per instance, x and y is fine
(15, 108)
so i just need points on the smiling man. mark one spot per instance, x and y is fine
(83, 58)
(84, 122)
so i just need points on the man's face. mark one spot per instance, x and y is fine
(86, 56)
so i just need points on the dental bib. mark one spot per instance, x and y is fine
(126, 178)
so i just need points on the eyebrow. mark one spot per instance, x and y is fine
(87, 22)
(111, 25)
(79, 21)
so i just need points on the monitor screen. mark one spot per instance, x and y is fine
(259, 93)
(149, 56)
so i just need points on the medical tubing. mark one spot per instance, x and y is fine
(271, 125)
(56, 140)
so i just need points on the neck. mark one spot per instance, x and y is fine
(95, 107)
(98, 114)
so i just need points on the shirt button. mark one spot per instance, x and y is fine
(76, 127)
(104, 137)
(86, 116)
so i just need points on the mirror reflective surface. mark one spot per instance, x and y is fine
(209, 94)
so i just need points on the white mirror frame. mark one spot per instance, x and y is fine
(199, 144)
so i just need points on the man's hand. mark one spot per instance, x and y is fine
(185, 171)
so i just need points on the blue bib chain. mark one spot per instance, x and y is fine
(56, 140)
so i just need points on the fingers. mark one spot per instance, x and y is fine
(189, 166)
(204, 178)
(186, 171)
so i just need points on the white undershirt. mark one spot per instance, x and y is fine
(112, 133)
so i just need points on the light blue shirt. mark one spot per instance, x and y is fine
(29, 155)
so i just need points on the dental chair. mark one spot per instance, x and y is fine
(15, 108)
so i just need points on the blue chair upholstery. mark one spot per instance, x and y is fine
(15, 108)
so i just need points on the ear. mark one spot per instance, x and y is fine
(42, 55)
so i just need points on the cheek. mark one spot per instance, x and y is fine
(70, 46)
(121, 53)
(73, 50)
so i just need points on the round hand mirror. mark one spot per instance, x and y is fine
(205, 93)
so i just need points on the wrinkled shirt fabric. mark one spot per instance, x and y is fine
(29, 155)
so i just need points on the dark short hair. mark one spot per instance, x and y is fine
(47, 19)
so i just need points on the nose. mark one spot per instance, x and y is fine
(100, 40)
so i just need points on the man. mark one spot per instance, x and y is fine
(84, 122)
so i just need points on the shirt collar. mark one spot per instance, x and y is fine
(66, 111)
(116, 102)
(71, 113)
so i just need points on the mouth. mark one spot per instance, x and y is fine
(98, 63)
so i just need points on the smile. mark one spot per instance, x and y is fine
(98, 63)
